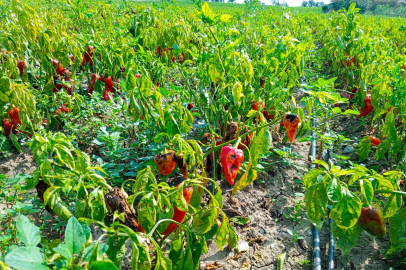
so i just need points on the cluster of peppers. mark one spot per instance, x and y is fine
(13, 123)
(62, 73)
(108, 86)
(180, 58)
(166, 163)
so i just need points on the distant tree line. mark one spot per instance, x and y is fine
(312, 3)
(366, 6)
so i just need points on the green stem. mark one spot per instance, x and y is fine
(391, 192)
(378, 191)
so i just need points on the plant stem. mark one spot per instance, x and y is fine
(322, 143)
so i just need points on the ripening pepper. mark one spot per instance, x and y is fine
(262, 82)
(93, 80)
(177, 214)
(374, 141)
(165, 162)
(255, 105)
(372, 220)
(182, 165)
(231, 159)
(291, 122)
(59, 67)
(368, 108)
(20, 66)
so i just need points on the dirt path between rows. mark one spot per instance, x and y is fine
(269, 202)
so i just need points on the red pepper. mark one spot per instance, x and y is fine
(15, 119)
(165, 162)
(108, 84)
(158, 50)
(88, 56)
(58, 84)
(368, 108)
(106, 95)
(372, 220)
(231, 159)
(12, 124)
(291, 122)
(59, 67)
(20, 66)
(255, 105)
(374, 141)
(7, 127)
(191, 106)
(177, 214)
(268, 116)
(93, 80)
(62, 109)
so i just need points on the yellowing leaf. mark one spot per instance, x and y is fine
(224, 17)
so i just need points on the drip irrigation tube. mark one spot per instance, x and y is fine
(316, 234)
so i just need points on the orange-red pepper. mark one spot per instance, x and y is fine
(368, 108)
(59, 67)
(374, 141)
(291, 122)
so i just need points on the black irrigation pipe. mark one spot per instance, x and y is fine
(316, 234)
